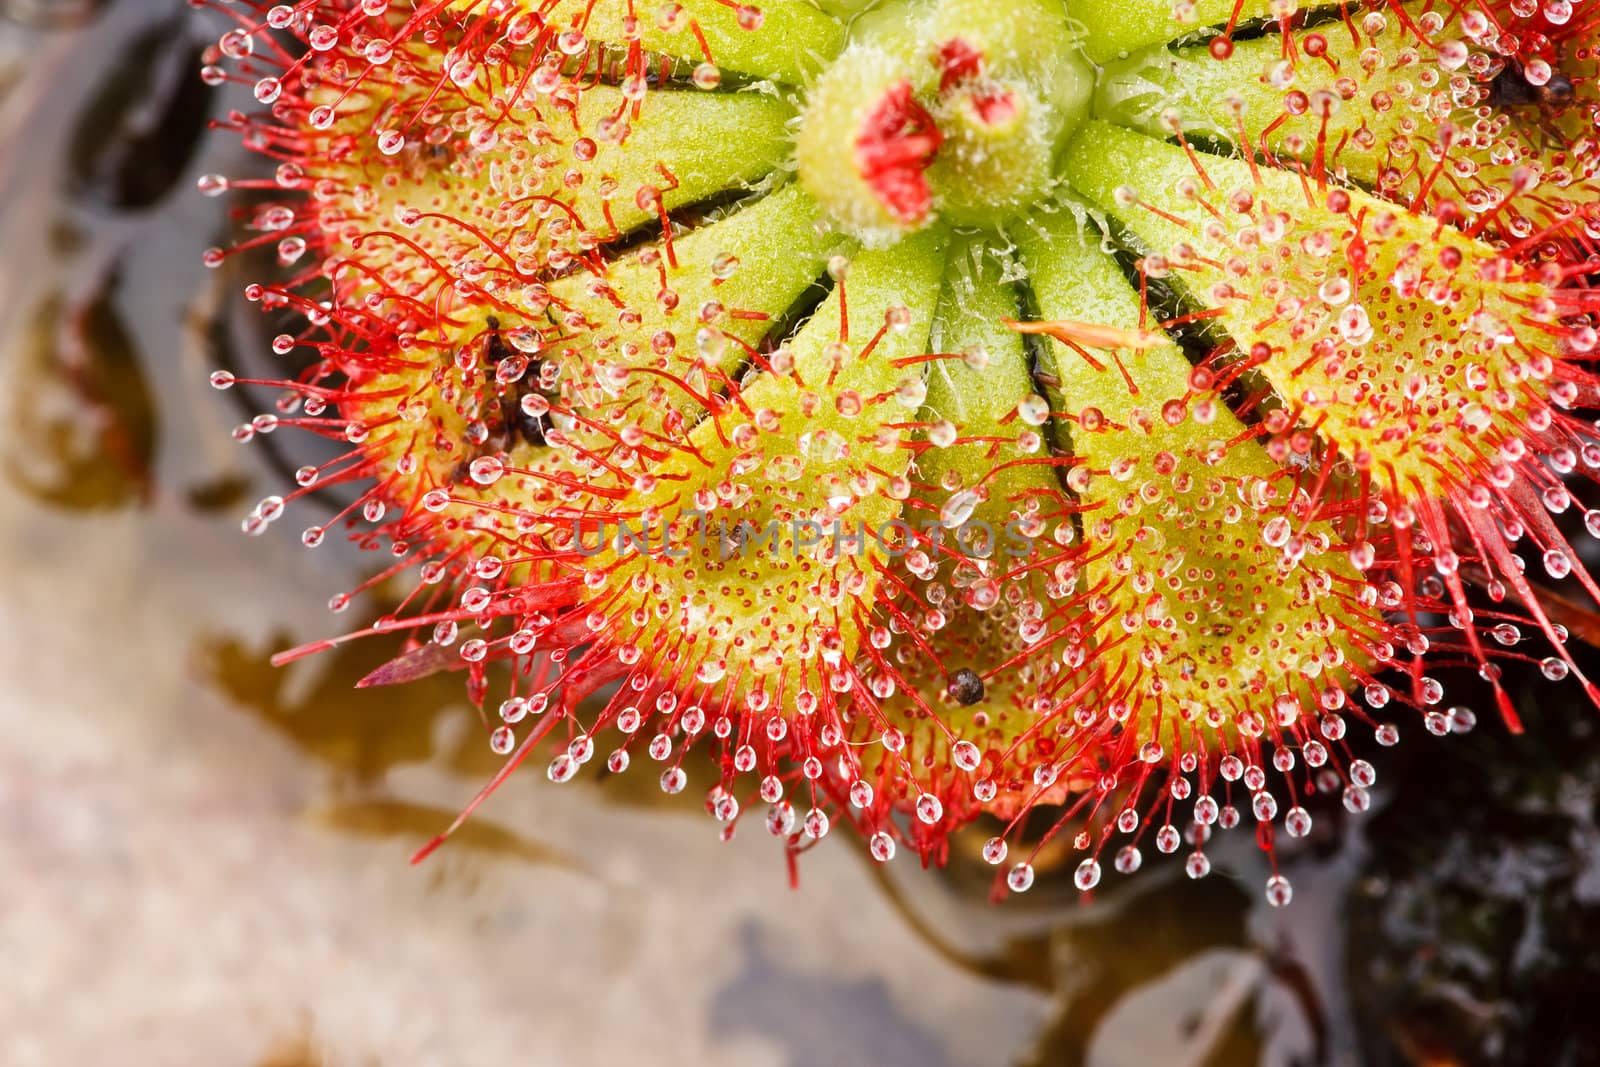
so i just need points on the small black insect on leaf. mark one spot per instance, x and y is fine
(966, 687)
(1511, 88)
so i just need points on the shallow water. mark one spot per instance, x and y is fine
(204, 858)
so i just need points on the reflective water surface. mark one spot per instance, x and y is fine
(204, 858)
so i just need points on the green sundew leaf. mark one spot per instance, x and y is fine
(756, 263)
(1213, 98)
(1120, 27)
(1075, 280)
(1104, 158)
(1402, 340)
(849, 9)
(708, 142)
(907, 277)
(982, 401)
(997, 593)
(794, 38)
(795, 447)
(1386, 127)
(686, 146)
(1206, 622)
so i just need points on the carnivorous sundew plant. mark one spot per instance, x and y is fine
(1078, 413)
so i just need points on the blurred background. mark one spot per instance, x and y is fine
(203, 859)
